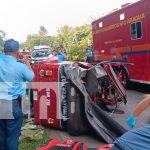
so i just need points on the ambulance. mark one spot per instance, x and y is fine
(123, 36)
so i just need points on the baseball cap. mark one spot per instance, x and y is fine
(11, 45)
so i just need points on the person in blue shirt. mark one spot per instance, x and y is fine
(89, 55)
(136, 139)
(1, 55)
(12, 76)
(60, 55)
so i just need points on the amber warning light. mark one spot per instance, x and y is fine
(47, 73)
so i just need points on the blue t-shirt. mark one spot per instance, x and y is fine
(13, 76)
(1, 54)
(61, 57)
(136, 139)
(89, 53)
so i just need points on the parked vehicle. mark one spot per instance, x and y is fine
(72, 96)
(123, 36)
(42, 55)
(41, 47)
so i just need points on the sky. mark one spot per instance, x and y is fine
(18, 18)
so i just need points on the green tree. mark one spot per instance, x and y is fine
(75, 40)
(72, 40)
(37, 39)
(43, 31)
(2, 38)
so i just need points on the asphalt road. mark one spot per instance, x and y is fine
(134, 95)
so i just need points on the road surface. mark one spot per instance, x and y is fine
(134, 96)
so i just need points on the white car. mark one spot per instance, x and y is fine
(39, 55)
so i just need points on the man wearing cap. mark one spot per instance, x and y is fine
(12, 76)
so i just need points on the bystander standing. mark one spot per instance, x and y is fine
(12, 76)
(89, 55)
(60, 55)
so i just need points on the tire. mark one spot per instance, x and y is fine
(76, 123)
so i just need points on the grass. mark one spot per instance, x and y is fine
(33, 144)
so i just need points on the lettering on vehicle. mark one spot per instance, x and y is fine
(48, 102)
(117, 25)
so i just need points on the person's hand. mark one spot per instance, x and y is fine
(19, 56)
(131, 121)
(23, 57)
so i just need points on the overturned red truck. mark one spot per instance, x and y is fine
(72, 96)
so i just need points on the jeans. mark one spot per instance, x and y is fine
(10, 128)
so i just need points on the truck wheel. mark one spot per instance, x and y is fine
(76, 123)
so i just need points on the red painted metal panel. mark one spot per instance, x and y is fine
(47, 102)
(113, 40)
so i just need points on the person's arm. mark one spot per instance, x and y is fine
(64, 55)
(26, 69)
(132, 119)
(27, 61)
(141, 106)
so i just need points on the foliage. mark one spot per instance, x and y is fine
(37, 39)
(43, 31)
(2, 37)
(72, 40)
(77, 53)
